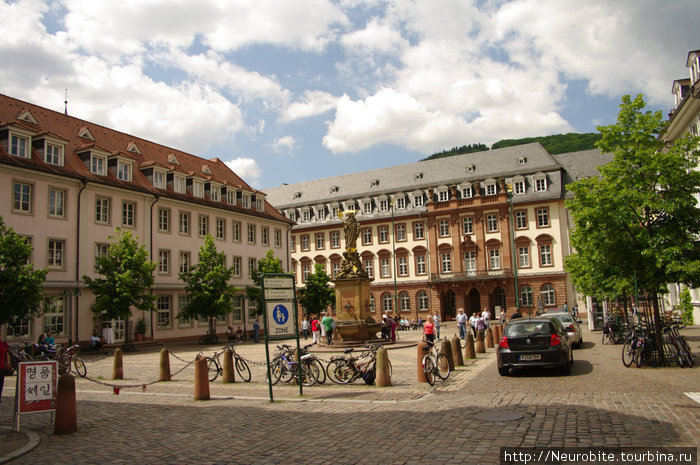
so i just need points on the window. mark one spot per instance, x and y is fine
(385, 267)
(335, 269)
(305, 270)
(203, 226)
(383, 205)
(236, 231)
(320, 241)
(444, 228)
(55, 256)
(305, 242)
(230, 196)
(185, 261)
(521, 219)
(293, 244)
(321, 213)
(542, 217)
(198, 189)
(163, 315)
(54, 311)
(102, 213)
(215, 193)
(526, 296)
(22, 197)
(519, 187)
(492, 222)
(470, 262)
(422, 301)
(369, 267)
(367, 208)
(180, 184)
(129, 214)
(401, 203)
(545, 255)
(251, 233)
(185, 223)
(53, 154)
(260, 204)
(367, 236)
(238, 308)
(278, 238)
(540, 184)
(264, 236)
(404, 301)
(418, 230)
(19, 146)
(443, 195)
(252, 265)
(386, 302)
(467, 192)
(420, 264)
(403, 266)
(523, 257)
(446, 263)
(20, 328)
(335, 239)
(159, 180)
(164, 261)
(548, 296)
(400, 232)
(101, 250)
(163, 220)
(467, 225)
(123, 171)
(236, 264)
(221, 228)
(57, 203)
(182, 302)
(495, 259)
(245, 200)
(306, 216)
(97, 164)
(491, 188)
(418, 200)
(383, 233)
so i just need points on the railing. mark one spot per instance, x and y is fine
(472, 275)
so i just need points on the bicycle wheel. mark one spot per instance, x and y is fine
(687, 352)
(203, 340)
(344, 372)
(213, 367)
(628, 352)
(639, 357)
(276, 367)
(80, 367)
(443, 366)
(243, 369)
(332, 370)
(321, 371)
(309, 374)
(429, 369)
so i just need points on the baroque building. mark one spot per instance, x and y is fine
(68, 184)
(480, 230)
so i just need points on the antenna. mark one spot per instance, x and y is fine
(65, 102)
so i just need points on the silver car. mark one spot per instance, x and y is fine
(573, 329)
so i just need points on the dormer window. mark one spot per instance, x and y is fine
(98, 164)
(198, 188)
(418, 200)
(334, 189)
(466, 191)
(522, 160)
(400, 202)
(366, 207)
(20, 144)
(215, 192)
(297, 195)
(259, 203)
(245, 200)
(321, 213)
(383, 203)
(417, 176)
(27, 117)
(349, 205)
(180, 184)
(518, 186)
(490, 188)
(470, 168)
(206, 169)
(540, 182)
(305, 214)
(53, 153)
(85, 134)
(230, 196)
(443, 194)
(374, 183)
(334, 208)
(124, 171)
(159, 179)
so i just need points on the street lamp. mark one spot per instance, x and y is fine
(514, 254)
(393, 250)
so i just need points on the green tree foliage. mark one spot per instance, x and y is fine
(686, 307)
(207, 285)
(127, 276)
(20, 283)
(639, 220)
(471, 148)
(557, 143)
(270, 264)
(317, 295)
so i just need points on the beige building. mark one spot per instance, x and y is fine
(69, 183)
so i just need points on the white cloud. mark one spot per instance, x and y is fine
(289, 143)
(314, 103)
(246, 168)
(375, 37)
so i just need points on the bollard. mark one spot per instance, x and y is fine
(118, 370)
(421, 353)
(488, 336)
(457, 352)
(499, 333)
(383, 376)
(66, 420)
(229, 375)
(479, 346)
(164, 374)
(494, 334)
(201, 379)
(446, 348)
(469, 351)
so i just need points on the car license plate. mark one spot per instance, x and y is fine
(531, 357)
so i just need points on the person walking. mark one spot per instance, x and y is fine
(327, 323)
(256, 331)
(429, 330)
(315, 329)
(472, 323)
(462, 323)
(436, 322)
(486, 316)
(305, 328)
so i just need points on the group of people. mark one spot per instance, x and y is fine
(478, 321)
(322, 328)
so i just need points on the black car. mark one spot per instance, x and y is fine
(534, 342)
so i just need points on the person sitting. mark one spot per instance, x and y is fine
(229, 332)
(97, 343)
(50, 341)
(239, 333)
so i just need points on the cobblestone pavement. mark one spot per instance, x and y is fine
(600, 404)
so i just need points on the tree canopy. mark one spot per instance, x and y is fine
(207, 285)
(269, 264)
(317, 295)
(20, 284)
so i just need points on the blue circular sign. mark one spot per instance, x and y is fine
(280, 314)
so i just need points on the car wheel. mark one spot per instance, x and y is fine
(503, 371)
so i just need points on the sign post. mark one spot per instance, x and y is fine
(36, 388)
(280, 315)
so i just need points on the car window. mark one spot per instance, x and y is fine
(528, 328)
(564, 318)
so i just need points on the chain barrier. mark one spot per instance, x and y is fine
(117, 387)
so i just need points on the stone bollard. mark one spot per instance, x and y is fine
(383, 375)
(66, 420)
(494, 334)
(488, 336)
(421, 353)
(446, 348)
(164, 365)
(201, 379)
(479, 346)
(118, 369)
(229, 374)
(469, 352)
(499, 334)
(457, 352)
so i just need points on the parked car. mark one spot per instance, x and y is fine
(572, 327)
(534, 342)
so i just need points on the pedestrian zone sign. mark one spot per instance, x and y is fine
(280, 319)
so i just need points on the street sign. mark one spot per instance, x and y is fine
(279, 294)
(276, 282)
(280, 319)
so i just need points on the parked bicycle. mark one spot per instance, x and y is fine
(67, 358)
(435, 363)
(284, 367)
(315, 360)
(210, 338)
(680, 349)
(610, 330)
(346, 368)
(216, 367)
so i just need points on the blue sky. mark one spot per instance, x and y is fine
(287, 91)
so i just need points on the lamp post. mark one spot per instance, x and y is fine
(514, 252)
(393, 251)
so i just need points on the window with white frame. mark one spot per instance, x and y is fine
(320, 241)
(102, 210)
(401, 203)
(159, 180)
(367, 208)
(400, 232)
(203, 226)
(383, 233)
(163, 316)
(20, 328)
(418, 200)
(546, 255)
(245, 200)
(238, 308)
(369, 267)
(320, 213)
(252, 265)
(387, 302)
(335, 269)
(236, 231)
(129, 214)
(185, 261)
(98, 164)
(404, 301)
(163, 261)
(221, 228)
(519, 186)
(305, 271)
(164, 220)
(467, 192)
(385, 267)
(182, 302)
(383, 205)
(444, 228)
(521, 219)
(198, 188)
(123, 171)
(56, 253)
(54, 315)
(236, 264)
(542, 217)
(293, 244)
(306, 215)
(490, 188)
(495, 259)
(53, 154)
(215, 193)
(443, 195)
(548, 296)
(335, 239)
(467, 225)
(418, 230)
(367, 236)
(22, 197)
(305, 242)
(540, 184)
(422, 301)
(184, 223)
(251, 233)
(278, 238)
(446, 263)
(19, 146)
(101, 250)
(403, 266)
(470, 262)
(180, 184)
(334, 209)
(230, 196)
(57, 203)
(420, 265)
(526, 296)
(264, 236)
(492, 222)
(524, 257)
(259, 204)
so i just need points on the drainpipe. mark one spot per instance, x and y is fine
(156, 197)
(84, 182)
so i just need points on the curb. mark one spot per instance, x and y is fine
(32, 441)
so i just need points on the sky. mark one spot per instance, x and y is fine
(290, 91)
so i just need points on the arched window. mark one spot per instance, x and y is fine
(386, 302)
(422, 301)
(404, 301)
(526, 296)
(548, 297)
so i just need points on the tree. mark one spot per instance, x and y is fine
(207, 285)
(685, 306)
(638, 222)
(317, 294)
(20, 283)
(270, 264)
(127, 278)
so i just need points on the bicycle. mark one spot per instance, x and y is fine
(284, 367)
(630, 346)
(210, 338)
(680, 350)
(67, 357)
(435, 364)
(610, 329)
(215, 367)
(312, 357)
(346, 369)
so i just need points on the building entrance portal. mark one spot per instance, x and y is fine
(473, 302)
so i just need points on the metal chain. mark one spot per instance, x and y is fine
(141, 385)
